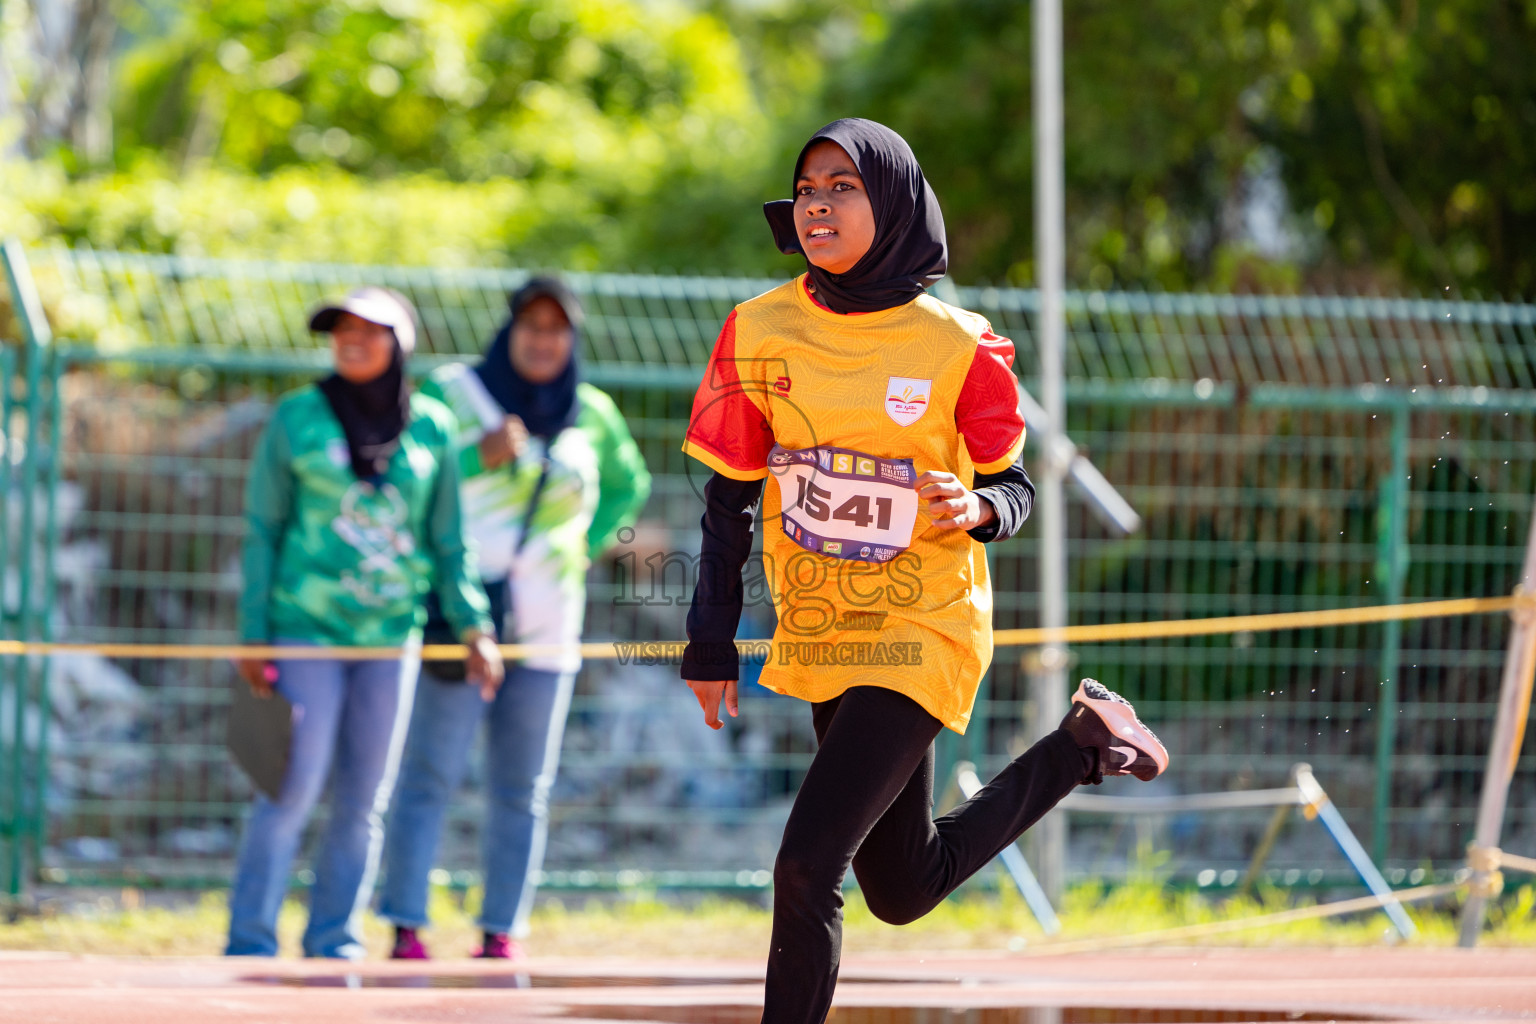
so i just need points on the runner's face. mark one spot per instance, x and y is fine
(541, 341)
(361, 349)
(833, 217)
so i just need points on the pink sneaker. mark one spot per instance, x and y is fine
(408, 946)
(499, 946)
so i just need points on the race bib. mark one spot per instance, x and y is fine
(844, 503)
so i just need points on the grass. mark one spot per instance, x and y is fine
(646, 925)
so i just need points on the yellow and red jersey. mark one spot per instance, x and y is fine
(839, 413)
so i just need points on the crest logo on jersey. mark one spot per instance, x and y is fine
(906, 399)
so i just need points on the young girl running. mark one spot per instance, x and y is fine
(889, 424)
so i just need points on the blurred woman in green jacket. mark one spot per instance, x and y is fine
(352, 515)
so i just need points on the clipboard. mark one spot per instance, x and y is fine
(259, 735)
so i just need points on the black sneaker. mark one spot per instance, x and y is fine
(1104, 721)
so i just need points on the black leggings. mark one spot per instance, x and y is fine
(867, 800)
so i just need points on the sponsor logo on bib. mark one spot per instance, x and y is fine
(906, 399)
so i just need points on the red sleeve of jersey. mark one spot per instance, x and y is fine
(727, 431)
(987, 413)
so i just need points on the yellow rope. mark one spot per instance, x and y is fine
(1260, 623)
(1200, 931)
(672, 649)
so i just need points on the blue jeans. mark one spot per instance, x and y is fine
(524, 725)
(353, 714)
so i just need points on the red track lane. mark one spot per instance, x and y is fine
(1486, 986)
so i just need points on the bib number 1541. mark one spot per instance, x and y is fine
(815, 500)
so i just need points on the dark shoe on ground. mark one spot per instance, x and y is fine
(1104, 722)
(408, 946)
(499, 946)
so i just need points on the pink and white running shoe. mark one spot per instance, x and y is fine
(1104, 721)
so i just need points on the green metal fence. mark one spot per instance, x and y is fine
(1284, 453)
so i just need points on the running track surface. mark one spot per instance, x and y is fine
(1487, 985)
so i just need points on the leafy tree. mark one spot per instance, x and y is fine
(1222, 142)
(609, 92)
(1218, 143)
(1408, 137)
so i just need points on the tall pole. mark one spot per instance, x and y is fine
(1508, 732)
(1049, 683)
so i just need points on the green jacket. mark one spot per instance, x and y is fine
(595, 482)
(334, 560)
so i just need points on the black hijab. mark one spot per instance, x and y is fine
(373, 414)
(908, 253)
(545, 409)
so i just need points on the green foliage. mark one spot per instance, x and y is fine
(311, 214)
(1154, 148)
(1401, 132)
(718, 927)
(610, 92)
(1407, 132)
(1386, 144)
(516, 130)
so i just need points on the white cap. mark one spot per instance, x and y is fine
(381, 306)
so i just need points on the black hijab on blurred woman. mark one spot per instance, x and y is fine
(545, 409)
(909, 251)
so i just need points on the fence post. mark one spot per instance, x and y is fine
(1503, 752)
(1391, 568)
(8, 815)
(55, 450)
(38, 338)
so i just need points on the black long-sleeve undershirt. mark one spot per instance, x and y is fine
(730, 507)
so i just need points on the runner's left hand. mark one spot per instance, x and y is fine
(953, 505)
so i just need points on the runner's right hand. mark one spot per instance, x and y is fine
(709, 694)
